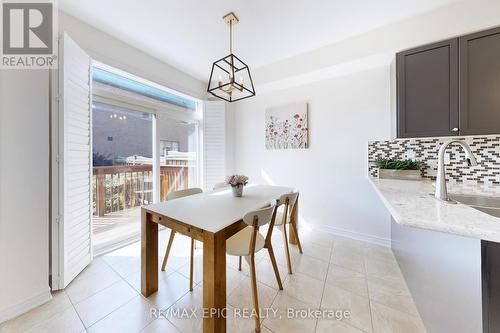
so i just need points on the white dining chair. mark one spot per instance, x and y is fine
(220, 186)
(284, 217)
(249, 241)
(172, 196)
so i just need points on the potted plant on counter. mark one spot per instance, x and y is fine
(237, 182)
(399, 169)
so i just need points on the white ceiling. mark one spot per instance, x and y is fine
(190, 34)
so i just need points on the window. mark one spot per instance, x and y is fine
(109, 78)
(146, 143)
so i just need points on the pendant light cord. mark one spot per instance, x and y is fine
(231, 76)
(231, 36)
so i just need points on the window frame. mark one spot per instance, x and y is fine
(157, 109)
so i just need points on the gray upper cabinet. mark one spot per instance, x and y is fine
(480, 83)
(450, 88)
(427, 90)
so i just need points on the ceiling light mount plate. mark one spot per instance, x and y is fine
(230, 18)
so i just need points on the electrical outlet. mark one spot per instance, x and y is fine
(410, 155)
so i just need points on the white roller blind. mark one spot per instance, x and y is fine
(214, 142)
(75, 227)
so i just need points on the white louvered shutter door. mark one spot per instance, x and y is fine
(75, 228)
(214, 141)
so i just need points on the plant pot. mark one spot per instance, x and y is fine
(237, 190)
(400, 174)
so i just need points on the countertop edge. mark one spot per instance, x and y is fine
(422, 224)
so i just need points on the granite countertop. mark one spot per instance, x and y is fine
(410, 204)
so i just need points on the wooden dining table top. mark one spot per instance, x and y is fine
(215, 210)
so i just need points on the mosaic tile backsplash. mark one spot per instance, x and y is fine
(485, 148)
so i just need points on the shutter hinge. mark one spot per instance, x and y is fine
(58, 158)
(59, 219)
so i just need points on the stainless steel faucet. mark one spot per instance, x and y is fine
(441, 192)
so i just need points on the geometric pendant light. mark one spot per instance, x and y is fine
(230, 77)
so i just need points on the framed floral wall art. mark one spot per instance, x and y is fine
(286, 127)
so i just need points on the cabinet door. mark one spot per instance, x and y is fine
(480, 83)
(427, 90)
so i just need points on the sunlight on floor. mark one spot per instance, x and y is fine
(333, 273)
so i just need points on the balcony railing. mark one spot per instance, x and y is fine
(116, 188)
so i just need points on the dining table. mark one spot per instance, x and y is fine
(210, 217)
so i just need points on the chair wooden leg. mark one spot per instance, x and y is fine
(275, 266)
(294, 226)
(254, 293)
(191, 264)
(239, 264)
(167, 252)
(287, 251)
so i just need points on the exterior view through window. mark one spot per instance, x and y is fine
(125, 116)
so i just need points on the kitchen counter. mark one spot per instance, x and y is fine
(411, 204)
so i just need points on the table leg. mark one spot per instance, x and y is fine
(214, 282)
(149, 254)
(295, 218)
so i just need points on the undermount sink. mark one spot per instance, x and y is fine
(488, 205)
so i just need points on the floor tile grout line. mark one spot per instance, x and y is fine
(74, 308)
(324, 284)
(113, 310)
(394, 309)
(371, 277)
(330, 265)
(272, 302)
(295, 298)
(365, 277)
(369, 298)
(173, 324)
(96, 292)
(47, 319)
(122, 279)
(382, 304)
(121, 306)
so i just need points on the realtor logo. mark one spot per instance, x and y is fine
(28, 35)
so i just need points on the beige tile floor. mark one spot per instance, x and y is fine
(334, 273)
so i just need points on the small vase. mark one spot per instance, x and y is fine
(237, 190)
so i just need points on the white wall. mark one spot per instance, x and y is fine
(24, 190)
(348, 87)
(379, 45)
(344, 113)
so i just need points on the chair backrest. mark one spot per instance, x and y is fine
(289, 201)
(219, 186)
(184, 193)
(262, 216)
(292, 198)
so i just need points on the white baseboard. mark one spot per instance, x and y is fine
(353, 235)
(25, 305)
